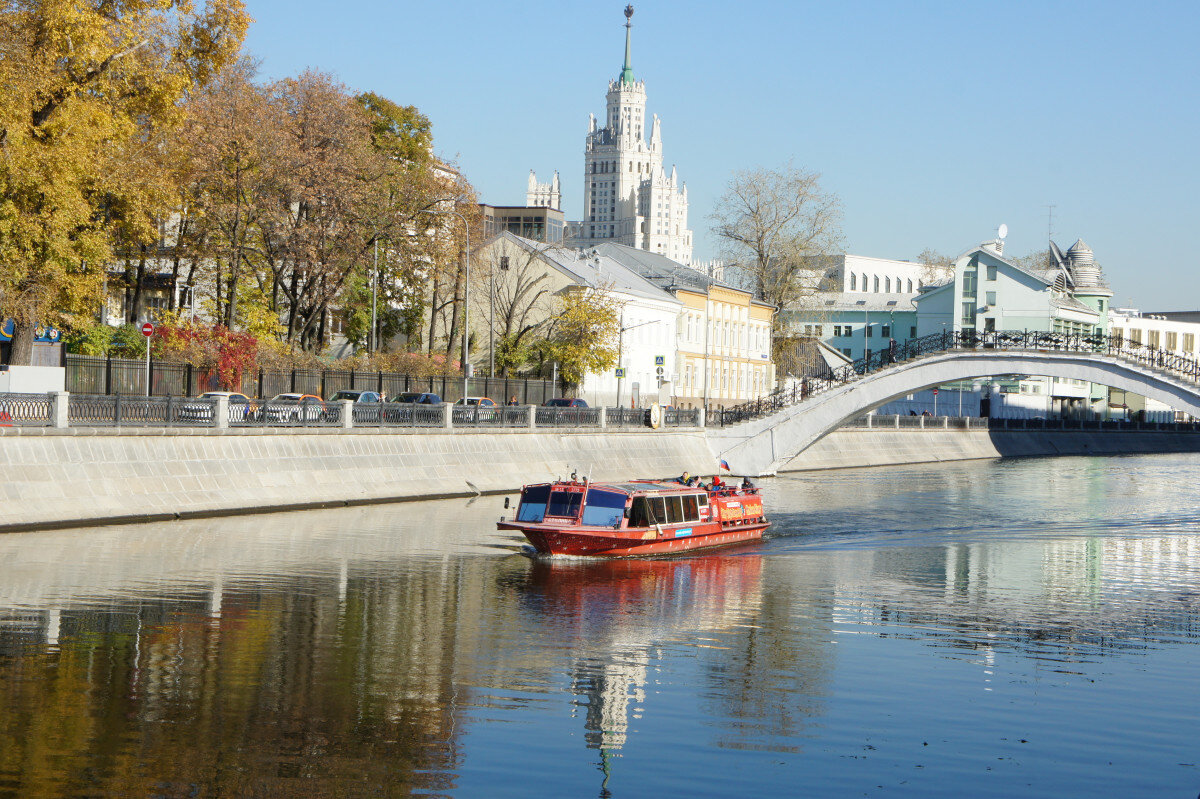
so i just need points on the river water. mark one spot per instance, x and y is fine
(1015, 628)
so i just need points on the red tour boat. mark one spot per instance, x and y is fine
(640, 517)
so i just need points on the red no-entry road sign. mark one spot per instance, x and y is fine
(147, 330)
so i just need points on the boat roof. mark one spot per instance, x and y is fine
(631, 486)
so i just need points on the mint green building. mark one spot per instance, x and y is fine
(980, 292)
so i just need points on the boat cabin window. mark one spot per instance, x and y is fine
(674, 509)
(533, 504)
(564, 503)
(638, 513)
(691, 511)
(604, 508)
(649, 511)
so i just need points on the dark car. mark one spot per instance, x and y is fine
(566, 402)
(357, 396)
(419, 397)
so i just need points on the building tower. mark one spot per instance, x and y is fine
(543, 195)
(627, 196)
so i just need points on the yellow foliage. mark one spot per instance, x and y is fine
(87, 91)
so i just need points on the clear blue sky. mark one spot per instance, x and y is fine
(933, 121)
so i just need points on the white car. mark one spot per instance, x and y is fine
(240, 407)
(293, 407)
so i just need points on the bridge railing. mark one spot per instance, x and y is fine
(818, 381)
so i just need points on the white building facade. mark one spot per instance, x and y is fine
(628, 197)
(543, 195)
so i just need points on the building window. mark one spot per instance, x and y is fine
(877, 284)
(1135, 336)
(837, 330)
(910, 285)
(853, 282)
(968, 313)
(912, 332)
(870, 330)
(991, 272)
(968, 282)
(886, 331)
(1172, 342)
(504, 262)
(1152, 338)
(1189, 342)
(887, 285)
(990, 297)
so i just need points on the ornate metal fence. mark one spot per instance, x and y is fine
(102, 410)
(25, 410)
(285, 413)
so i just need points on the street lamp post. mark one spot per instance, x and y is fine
(466, 345)
(620, 347)
(374, 290)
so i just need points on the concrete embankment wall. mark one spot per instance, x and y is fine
(862, 447)
(55, 478)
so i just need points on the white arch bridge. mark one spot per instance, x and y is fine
(758, 438)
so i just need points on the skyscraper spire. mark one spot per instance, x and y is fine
(627, 70)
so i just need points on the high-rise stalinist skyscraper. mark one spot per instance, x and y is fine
(627, 197)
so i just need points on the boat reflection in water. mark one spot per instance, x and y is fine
(618, 612)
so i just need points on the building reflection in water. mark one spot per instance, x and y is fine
(623, 610)
(1064, 598)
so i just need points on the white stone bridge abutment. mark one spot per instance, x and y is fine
(762, 446)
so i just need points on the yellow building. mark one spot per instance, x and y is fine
(723, 350)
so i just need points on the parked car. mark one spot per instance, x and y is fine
(420, 397)
(566, 402)
(292, 407)
(357, 396)
(241, 407)
(482, 402)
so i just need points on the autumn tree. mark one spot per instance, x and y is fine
(230, 143)
(86, 89)
(317, 232)
(772, 224)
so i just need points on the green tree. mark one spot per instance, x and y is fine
(86, 90)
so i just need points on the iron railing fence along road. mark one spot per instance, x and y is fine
(119, 410)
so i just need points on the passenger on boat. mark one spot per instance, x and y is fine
(683, 478)
(746, 484)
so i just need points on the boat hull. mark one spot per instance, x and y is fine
(607, 543)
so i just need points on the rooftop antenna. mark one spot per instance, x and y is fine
(1049, 231)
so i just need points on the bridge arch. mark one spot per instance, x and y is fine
(762, 446)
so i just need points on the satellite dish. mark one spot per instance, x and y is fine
(1002, 231)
